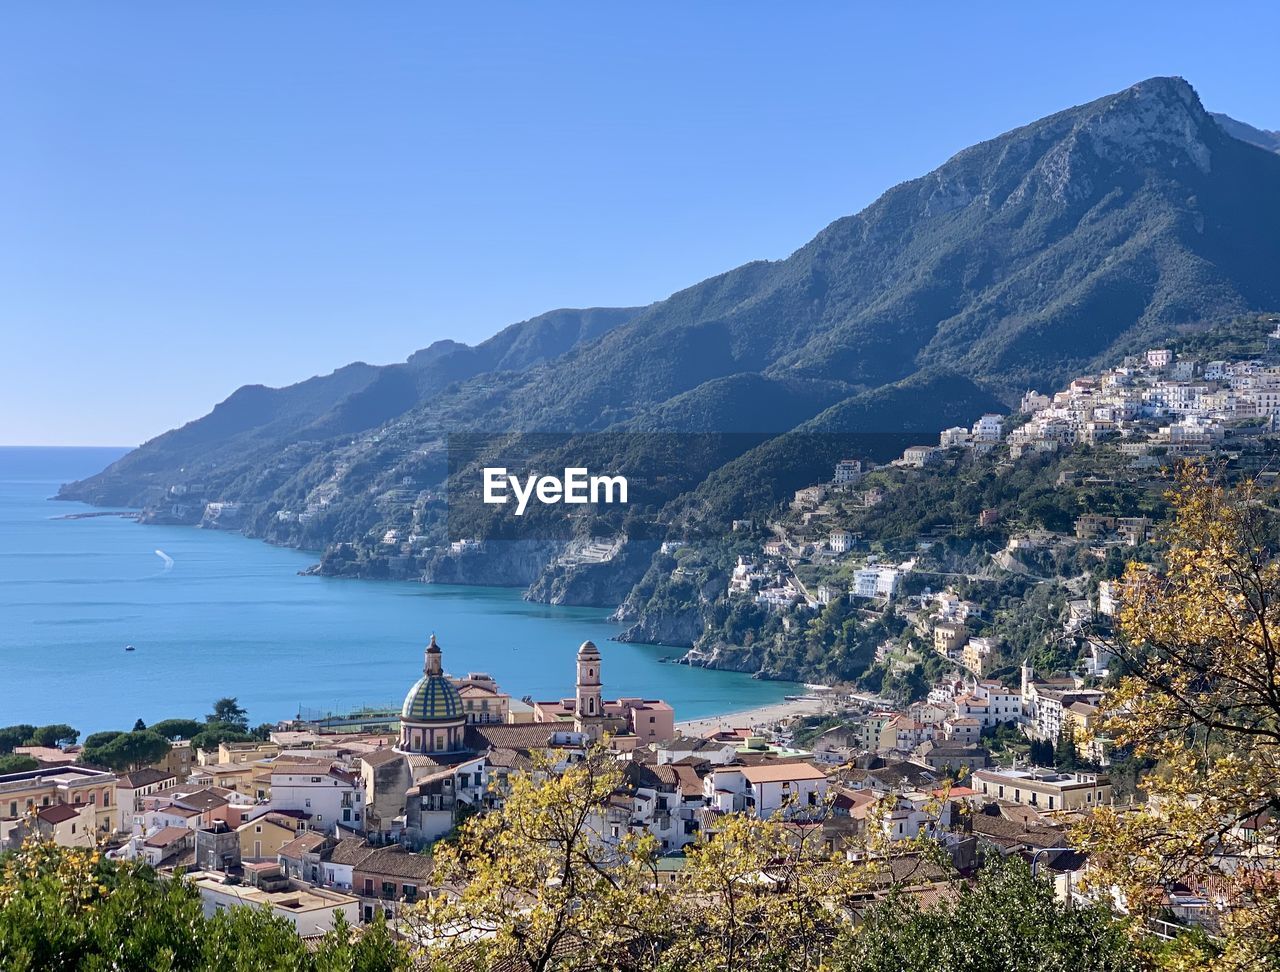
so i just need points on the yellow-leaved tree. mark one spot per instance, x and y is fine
(1199, 642)
(542, 883)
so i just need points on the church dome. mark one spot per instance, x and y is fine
(433, 697)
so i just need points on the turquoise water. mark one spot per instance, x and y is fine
(219, 614)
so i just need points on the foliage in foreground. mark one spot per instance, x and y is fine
(1200, 645)
(72, 910)
(543, 887)
(1009, 920)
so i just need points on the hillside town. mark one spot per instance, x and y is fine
(1153, 409)
(1104, 449)
(339, 818)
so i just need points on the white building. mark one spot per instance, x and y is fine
(840, 541)
(847, 471)
(919, 456)
(331, 796)
(311, 911)
(876, 581)
(764, 789)
(989, 428)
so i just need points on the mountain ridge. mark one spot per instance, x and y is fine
(1019, 262)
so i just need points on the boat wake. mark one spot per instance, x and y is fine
(168, 561)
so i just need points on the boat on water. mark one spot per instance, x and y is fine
(128, 647)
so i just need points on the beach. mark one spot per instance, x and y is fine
(758, 717)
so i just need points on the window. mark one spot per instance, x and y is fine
(410, 892)
(315, 779)
(308, 803)
(257, 829)
(13, 808)
(388, 889)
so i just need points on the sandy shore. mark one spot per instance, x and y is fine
(764, 715)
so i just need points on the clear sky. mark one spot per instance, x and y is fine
(199, 196)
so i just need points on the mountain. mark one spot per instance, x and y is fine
(1019, 262)
(256, 421)
(1247, 133)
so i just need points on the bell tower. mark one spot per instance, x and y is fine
(589, 711)
(432, 663)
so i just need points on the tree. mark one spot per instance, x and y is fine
(139, 725)
(228, 711)
(128, 751)
(66, 909)
(763, 894)
(1008, 920)
(16, 763)
(1064, 751)
(11, 736)
(96, 740)
(548, 880)
(178, 728)
(58, 734)
(1040, 752)
(216, 733)
(1199, 642)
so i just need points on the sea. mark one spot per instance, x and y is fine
(212, 614)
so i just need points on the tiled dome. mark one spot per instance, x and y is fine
(433, 697)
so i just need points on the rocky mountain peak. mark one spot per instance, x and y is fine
(1159, 120)
(1155, 123)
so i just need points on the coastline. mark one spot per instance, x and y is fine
(758, 716)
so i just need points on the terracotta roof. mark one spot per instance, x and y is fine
(57, 814)
(305, 843)
(508, 759)
(144, 777)
(777, 773)
(380, 757)
(167, 836)
(300, 766)
(176, 811)
(200, 800)
(349, 850)
(395, 861)
(690, 781)
(526, 735)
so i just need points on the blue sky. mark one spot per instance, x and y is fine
(199, 196)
